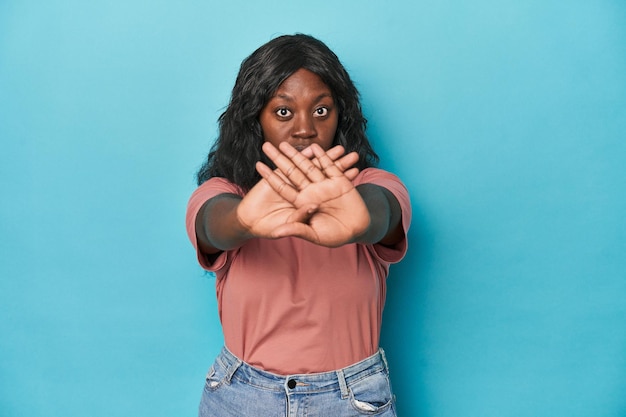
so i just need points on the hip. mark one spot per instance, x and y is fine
(235, 388)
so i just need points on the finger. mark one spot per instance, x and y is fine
(282, 176)
(327, 165)
(345, 162)
(287, 167)
(278, 184)
(307, 152)
(334, 153)
(303, 214)
(266, 171)
(302, 163)
(351, 174)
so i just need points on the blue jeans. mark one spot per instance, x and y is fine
(236, 389)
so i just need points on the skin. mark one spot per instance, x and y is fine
(310, 195)
(301, 112)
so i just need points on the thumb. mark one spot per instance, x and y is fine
(297, 229)
(303, 214)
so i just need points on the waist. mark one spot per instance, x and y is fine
(301, 383)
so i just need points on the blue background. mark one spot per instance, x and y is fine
(506, 120)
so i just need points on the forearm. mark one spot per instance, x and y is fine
(385, 216)
(217, 225)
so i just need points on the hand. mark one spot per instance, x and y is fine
(263, 210)
(326, 208)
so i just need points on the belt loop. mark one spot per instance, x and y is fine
(232, 368)
(382, 355)
(342, 384)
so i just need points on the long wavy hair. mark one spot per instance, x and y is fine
(238, 147)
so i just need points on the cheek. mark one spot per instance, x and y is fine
(332, 129)
(267, 127)
(273, 131)
(263, 122)
(327, 137)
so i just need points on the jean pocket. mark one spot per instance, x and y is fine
(215, 377)
(371, 395)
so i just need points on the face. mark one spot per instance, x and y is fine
(301, 112)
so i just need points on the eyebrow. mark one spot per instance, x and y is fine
(289, 98)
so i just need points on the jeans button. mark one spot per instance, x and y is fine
(291, 383)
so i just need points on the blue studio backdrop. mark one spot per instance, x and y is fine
(506, 120)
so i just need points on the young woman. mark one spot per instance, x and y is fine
(300, 229)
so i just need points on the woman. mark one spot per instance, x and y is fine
(300, 230)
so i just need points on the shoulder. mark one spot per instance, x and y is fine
(384, 179)
(372, 174)
(215, 186)
(207, 190)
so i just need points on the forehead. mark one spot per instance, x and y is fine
(303, 82)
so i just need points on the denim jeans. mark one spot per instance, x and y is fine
(236, 389)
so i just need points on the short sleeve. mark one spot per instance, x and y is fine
(209, 189)
(393, 184)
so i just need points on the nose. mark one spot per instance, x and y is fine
(304, 126)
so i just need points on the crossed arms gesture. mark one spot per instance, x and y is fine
(309, 195)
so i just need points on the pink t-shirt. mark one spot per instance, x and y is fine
(289, 306)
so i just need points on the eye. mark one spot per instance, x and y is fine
(283, 112)
(321, 111)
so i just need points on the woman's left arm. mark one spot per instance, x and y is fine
(385, 216)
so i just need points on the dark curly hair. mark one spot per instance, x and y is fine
(238, 146)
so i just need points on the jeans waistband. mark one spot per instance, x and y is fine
(302, 383)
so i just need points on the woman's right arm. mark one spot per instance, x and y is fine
(227, 221)
(217, 226)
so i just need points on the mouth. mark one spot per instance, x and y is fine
(300, 148)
